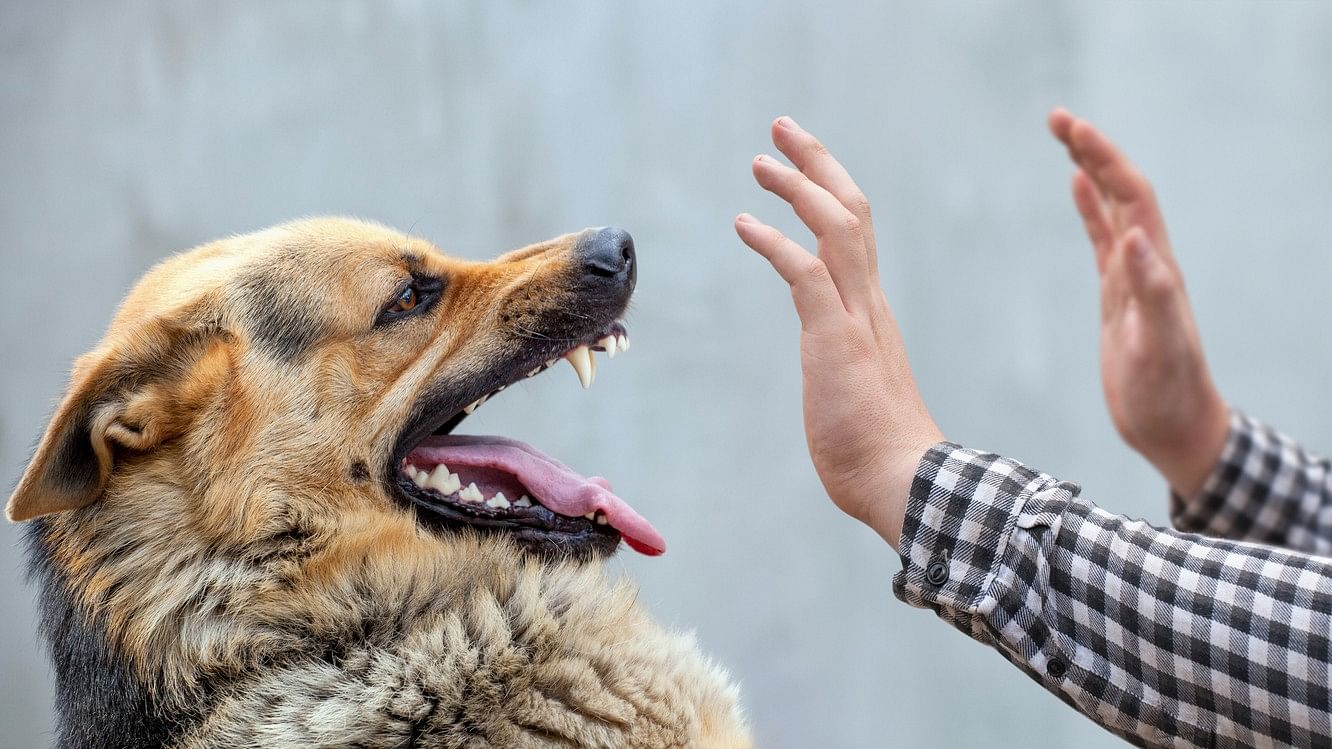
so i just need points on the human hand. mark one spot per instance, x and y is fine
(1157, 386)
(865, 423)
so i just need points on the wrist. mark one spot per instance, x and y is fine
(1186, 469)
(884, 510)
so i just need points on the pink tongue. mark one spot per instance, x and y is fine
(554, 484)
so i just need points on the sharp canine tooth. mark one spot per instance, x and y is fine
(439, 479)
(584, 366)
(608, 343)
(523, 501)
(450, 484)
(470, 407)
(624, 342)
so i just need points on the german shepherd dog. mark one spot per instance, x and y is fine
(252, 525)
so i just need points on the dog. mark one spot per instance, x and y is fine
(252, 524)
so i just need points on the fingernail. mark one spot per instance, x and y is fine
(786, 123)
(765, 158)
(745, 218)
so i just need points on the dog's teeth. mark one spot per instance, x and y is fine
(623, 340)
(584, 366)
(601, 519)
(500, 389)
(450, 484)
(417, 476)
(608, 343)
(523, 501)
(439, 480)
(470, 407)
(534, 372)
(591, 515)
(499, 501)
(550, 363)
(471, 494)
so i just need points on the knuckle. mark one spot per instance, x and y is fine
(852, 226)
(859, 205)
(815, 271)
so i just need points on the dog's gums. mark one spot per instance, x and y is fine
(493, 483)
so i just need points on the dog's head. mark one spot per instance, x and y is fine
(321, 366)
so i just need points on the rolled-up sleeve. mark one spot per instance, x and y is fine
(1165, 638)
(1264, 488)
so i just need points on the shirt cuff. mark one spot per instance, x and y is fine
(1246, 440)
(963, 508)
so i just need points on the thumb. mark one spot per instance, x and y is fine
(1151, 280)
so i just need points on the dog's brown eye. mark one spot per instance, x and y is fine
(406, 301)
(415, 299)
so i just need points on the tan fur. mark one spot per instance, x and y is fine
(215, 527)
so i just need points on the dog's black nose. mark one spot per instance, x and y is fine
(607, 254)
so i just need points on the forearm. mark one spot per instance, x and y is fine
(1163, 638)
(1264, 488)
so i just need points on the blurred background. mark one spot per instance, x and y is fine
(133, 130)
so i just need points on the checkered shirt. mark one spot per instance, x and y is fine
(1165, 638)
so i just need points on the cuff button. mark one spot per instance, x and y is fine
(937, 574)
(1056, 668)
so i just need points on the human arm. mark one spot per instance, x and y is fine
(1164, 638)
(1230, 475)
(1264, 488)
(1017, 559)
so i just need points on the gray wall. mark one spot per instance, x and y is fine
(132, 132)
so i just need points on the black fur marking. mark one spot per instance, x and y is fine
(359, 472)
(73, 467)
(100, 702)
(280, 321)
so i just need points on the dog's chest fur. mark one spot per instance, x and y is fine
(523, 655)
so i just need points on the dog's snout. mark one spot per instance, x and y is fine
(608, 254)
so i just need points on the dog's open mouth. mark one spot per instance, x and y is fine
(500, 484)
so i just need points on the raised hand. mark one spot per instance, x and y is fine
(1157, 386)
(865, 422)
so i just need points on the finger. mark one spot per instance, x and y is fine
(1116, 288)
(812, 288)
(815, 162)
(840, 235)
(1151, 280)
(1088, 200)
(1131, 198)
(1060, 122)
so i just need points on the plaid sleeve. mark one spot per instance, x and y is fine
(1265, 488)
(1165, 638)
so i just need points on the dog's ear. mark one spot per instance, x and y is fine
(130, 394)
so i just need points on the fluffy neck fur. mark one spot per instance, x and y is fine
(373, 633)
